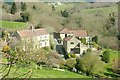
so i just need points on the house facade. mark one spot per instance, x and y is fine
(71, 40)
(71, 44)
(36, 38)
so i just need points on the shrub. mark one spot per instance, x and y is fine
(38, 26)
(83, 40)
(47, 48)
(65, 13)
(116, 66)
(70, 63)
(71, 55)
(25, 16)
(95, 39)
(106, 56)
(89, 64)
(6, 48)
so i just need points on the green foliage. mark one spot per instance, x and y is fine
(106, 56)
(4, 35)
(38, 26)
(89, 64)
(83, 40)
(25, 16)
(6, 48)
(53, 8)
(65, 13)
(71, 55)
(34, 7)
(70, 63)
(23, 6)
(47, 48)
(95, 39)
(116, 66)
(13, 8)
(110, 22)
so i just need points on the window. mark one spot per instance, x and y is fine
(72, 43)
(45, 36)
(40, 44)
(45, 43)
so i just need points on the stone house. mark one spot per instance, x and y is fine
(71, 40)
(73, 45)
(38, 38)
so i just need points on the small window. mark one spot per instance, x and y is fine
(45, 36)
(45, 43)
(72, 43)
(40, 44)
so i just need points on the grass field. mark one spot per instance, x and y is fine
(44, 73)
(12, 25)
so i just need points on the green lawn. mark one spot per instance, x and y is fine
(12, 25)
(45, 73)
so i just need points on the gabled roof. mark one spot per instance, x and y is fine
(41, 31)
(65, 31)
(26, 33)
(79, 33)
(76, 33)
(32, 33)
(68, 38)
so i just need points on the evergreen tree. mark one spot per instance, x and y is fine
(23, 6)
(25, 16)
(13, 8)
(95, 39)
(34, 7)
(65, 13)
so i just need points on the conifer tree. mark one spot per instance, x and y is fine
(13, 8)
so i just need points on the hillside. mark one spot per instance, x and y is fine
(90, 16)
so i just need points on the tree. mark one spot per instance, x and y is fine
(65, 13)
(106, 56)
(116, 66)
(53, 8)
(95, 39)
(25, 16)
(38, 26)
(70, 63)
(23, 6)
(89, 63)
(4, 35)
(34, 7)
(110, 21)
(13, 8)
(78, 21)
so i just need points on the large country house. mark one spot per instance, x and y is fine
(37, 37)
(71, 40)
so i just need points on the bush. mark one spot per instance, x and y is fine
(116, 66)
(106, 56)
(83, 40)
(95, 39)
(38, 26)
(70, 63)
(65, 13)
(47, 48)
(71, 55)
(89, 64)
(25, 16)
